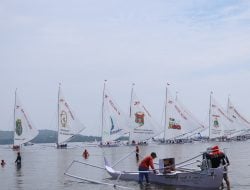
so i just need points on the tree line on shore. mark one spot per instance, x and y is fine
(45, 136)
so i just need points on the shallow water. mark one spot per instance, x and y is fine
(43, 165)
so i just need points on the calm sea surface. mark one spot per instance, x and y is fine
(43, 165)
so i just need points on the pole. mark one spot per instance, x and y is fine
(165, 115)
(103, 94)
(130, 108)
(14, 120)
(58, 114)
(210, 102)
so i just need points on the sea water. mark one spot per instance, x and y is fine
(43, 166)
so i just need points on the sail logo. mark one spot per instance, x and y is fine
(216, 123)
(112, 125)
(139, 118)
(112, 131)
(173, 124)
(19, 128)
(63, 118)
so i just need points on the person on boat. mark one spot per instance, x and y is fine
(16, 147)
(137, 153)
(85, 154)
(18, 159)
(218, 158)
(144, 167)
(3, 163)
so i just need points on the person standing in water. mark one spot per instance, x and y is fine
(85, 154)
(144, 167)
(3, 163)
(218, 158)
(137, 153)
(18, 159)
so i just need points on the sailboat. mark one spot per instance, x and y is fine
(24, 131)
(179, 123)
(242, 124)
(115, 123)
(221, 126)
(144, 126)
(68, 124)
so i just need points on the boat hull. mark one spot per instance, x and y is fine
(208, 179)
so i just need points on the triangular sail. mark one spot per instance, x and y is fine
(242, 125)
(180, 122)
(24, 131)
(68, 124)
(144, 127)
(220, 124)
(115, 122)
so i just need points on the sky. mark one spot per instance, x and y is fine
(197, 46)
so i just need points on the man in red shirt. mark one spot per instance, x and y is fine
(144, 167)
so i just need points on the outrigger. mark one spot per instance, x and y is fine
(169, 173)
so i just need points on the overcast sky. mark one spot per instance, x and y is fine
(197, 46)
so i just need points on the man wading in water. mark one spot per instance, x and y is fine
(144, 167)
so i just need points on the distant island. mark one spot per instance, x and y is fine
(45, 136)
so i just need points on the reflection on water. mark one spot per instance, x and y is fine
(19, 176)
(43, 165)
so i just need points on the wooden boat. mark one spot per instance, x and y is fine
(180, 125)
(144, 127)
(68, 124)
(221, 126)
(115, 123)
(24, 130)
(169, 174)
(203, 177)
(209, 179)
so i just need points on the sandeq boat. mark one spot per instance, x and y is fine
(204, 177)
(169, 173)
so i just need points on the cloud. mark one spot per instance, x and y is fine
(197, 46)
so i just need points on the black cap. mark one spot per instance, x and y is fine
(153, 154)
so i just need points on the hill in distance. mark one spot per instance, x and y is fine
(45, 136)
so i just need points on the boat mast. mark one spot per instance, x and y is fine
(58, 114)
(14, 120)
(130, 106)
(228, 104)
(103, 94)
(131, 96)
(210, 102)
(165, 115)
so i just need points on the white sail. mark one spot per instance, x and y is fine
(220, 124)
(180, 122)
(144, 127)
(115, 123)
(68, 124)
(242, 125)
(24, 131)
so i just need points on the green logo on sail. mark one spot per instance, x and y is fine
(19, 128)
(64, 119)
(216, 123)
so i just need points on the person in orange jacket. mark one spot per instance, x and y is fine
(218, 158)
(85, 154)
